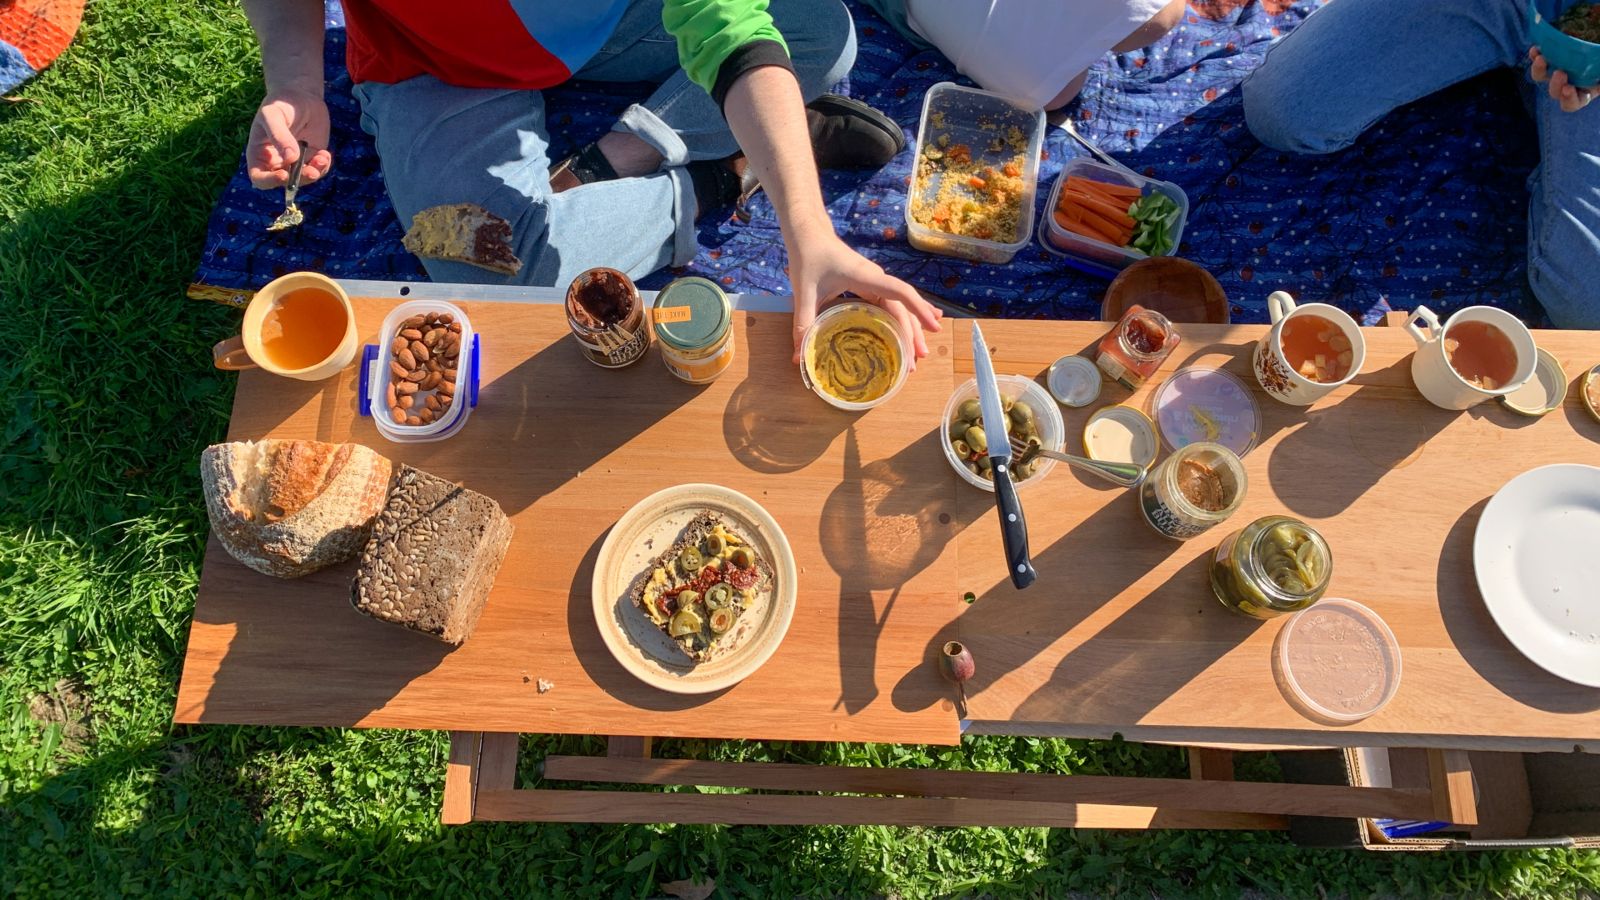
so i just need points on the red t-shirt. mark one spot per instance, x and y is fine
(526, 44)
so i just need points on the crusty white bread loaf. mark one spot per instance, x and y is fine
(433, 556)
(288, 508)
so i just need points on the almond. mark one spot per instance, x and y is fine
(396, 369)
(431, 381)
(455, 327)
(411, 334)
(425, 415)
(407, 400)
(391, 392)
(413, 322)
(420, 351)
(398, 414)
(446, 319)
(406, 387)
(434, 336)
(416, 375)
(397, 346)
(447, 386)
(413, 420)
(433, 403)
(406, 358)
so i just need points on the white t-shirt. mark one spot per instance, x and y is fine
(1027, 50)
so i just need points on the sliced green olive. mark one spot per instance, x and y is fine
(719, 595)
(715, 545)
(1025, 470)
(687, 599)
(743, 557)
(962, 448)
(977, 440)
(722, 619)
(970, 409)
(1006, 403)
(686, 622)
(690, 561)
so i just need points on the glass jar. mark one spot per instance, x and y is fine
(694, 323)
(1272, 566)
(1192, 490)
(606, 316)
(1136, 346)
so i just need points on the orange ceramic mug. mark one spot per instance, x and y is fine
(299, 326)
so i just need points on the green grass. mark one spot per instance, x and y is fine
(108, 167)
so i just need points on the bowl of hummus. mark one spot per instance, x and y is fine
(854, 356)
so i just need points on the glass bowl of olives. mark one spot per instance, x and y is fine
(1031, 414)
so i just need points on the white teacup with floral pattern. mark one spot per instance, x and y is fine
(1277, 377)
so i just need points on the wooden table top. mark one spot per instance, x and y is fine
(1119, 636)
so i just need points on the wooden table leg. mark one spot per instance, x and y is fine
(1210, 764)
(478, 761)
(1450, 780)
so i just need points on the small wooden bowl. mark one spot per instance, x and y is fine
(1177, 288)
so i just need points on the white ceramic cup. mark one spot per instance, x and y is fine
(1277, 377)
(1438, 380)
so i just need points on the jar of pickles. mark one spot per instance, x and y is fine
(1192, 490)
(1272, 566)
(1136, 347)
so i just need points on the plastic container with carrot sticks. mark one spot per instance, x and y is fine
(1097, 229)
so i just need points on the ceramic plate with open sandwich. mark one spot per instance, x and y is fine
(694, 588)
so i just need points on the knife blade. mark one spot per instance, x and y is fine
(1013, 527)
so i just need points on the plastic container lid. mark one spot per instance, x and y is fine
(1203, 404)
(1339, 661)
(1120, 434)
(709, 314)
(1542, 393)
(1074, 381)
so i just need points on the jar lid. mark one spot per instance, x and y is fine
(1120, 434)
(1543, 392)
(1591, 391)
(1339, 661)
(1074, 381)
(708, 316)
(1205, 404)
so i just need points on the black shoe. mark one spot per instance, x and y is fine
(588, 165)
(848, 134)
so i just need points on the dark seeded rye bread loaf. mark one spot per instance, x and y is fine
(434, 552)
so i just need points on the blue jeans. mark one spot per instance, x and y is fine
(443, 144)
(1353, 61)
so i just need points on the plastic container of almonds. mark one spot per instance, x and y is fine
(378, 376)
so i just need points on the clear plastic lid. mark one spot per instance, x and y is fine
(1339, 661)
(1074, 381)
(1203, 404)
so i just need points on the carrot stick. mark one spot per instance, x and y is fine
(1109, 209)
(1100, 219)
(1117, 191)
(1087, 228)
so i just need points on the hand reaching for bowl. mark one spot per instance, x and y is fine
(1561, 89)
(285, 118)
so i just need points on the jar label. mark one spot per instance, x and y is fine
(620, 349)
(1163, 518)
(699, 371)
(1117, 372)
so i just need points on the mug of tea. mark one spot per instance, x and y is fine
(1310, 350)
(1481, 352)
(300, 326)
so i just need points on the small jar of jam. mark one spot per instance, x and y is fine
(1192, 490)
(607, 318)
(694, 326)
(1274, 565)
(1134, 349)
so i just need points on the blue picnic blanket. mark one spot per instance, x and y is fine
(1429, 207)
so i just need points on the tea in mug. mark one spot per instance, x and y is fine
(1316, 348)
(304, 328)
(1481, 354)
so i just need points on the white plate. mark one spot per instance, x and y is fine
(1537, 554)
(641, 535)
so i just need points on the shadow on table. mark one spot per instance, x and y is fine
(596, 658)
(1473, 631)
(1342, 451)
(518, 412)
(342, 664)
(1006, 629)
(886, 522)
(775, 433)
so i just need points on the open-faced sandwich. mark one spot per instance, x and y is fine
(703, 590)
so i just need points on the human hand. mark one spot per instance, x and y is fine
(824, 269)
(1561, 90)
(285, 118)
